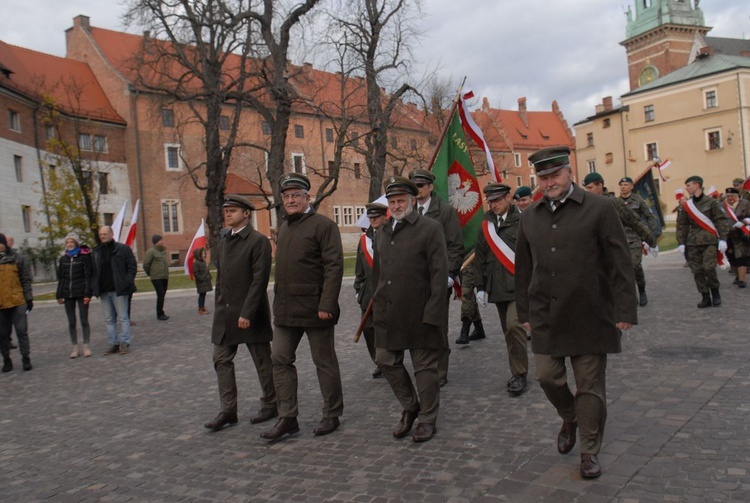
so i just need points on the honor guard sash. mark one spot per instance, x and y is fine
(366, 245)
(733, 216)
(705, 223)
(502, 251)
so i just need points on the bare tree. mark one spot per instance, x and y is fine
(220, 57)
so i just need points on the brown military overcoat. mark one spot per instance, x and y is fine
(243, 269)
(410, 273)
(574, 276)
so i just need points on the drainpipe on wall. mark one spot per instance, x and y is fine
(622, 135)
(742, 128)
(41, 171)
(134, 112)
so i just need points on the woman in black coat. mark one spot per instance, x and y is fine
(74, 288)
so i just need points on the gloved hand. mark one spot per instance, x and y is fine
(722, 246)
(739, 225)
(482, 298)
(29, 305)
(654, 252)
(450, 282)
(747, 221)
(682, 249)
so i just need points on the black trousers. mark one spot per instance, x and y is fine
(160, 285)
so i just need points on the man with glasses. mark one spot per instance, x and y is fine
(308, 275)
(441, 211)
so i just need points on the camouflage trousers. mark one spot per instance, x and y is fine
(469, 308)
(636, 254)
(702, 262)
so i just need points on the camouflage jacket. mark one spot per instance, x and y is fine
(690, 233)
(636, 204)
(635, 229)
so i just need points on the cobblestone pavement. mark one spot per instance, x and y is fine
(130, 428)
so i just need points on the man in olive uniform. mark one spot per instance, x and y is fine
(739, 184)
(636, 203)
(494, 272)
(523, 197)
(242, 314)
(376, 213)
(409, 272)
(594, 183)
(702, 229)
(574, 291)
(443, 213)
(308, 274)
(469, 309)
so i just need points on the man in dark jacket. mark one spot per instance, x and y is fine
(376, 213)
(494, 267)
(156, 266)
(242, 314)
(113, 280)
(409, 273)
(443, 213)
(308, 274)
(16, 299)
(574, 292)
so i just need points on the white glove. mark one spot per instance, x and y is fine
(450, 282)
(682, 249)
(722, 246)
(654, 252)
(739, 225)
(482, 298)
(747, 221)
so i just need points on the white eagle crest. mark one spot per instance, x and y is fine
(460, 195)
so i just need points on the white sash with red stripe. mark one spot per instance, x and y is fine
(502, 251)
(733, 216)
(705, 223)
(366, 243)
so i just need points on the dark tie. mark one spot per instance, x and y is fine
(421, 210)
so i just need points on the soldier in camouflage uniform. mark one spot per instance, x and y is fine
(636, 203)
(738, 183)
(700, 244)
(469, 309)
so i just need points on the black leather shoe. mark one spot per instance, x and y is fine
(517, 385)
(642, 298)
(715, 297)
(221, 421)
(478, 332)
(463, 337)
(327, 425)
(566, 439)
(27, 363)
(590, 468)
(706, 301)
(424, 432)
(113, 349)
(264, 415)
(285, 425)
(407, 421)
(377, 373)
(162, 317)
(7, 364)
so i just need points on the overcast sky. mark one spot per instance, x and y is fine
(545, 50)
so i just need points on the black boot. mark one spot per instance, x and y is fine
(7, 364)
(26, 363)
(642, 297)
(715, 296)
(478, 332)
(706, 302)
(463, 338)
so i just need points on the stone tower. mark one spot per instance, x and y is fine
(660, 36)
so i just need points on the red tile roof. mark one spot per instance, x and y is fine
(71, 83)
(235, 184)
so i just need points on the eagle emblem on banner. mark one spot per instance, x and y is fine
(463, 192)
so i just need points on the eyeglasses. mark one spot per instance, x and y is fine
(293, 195)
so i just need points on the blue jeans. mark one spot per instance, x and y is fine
(115, 310)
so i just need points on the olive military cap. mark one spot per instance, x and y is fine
(399, 185)
(376, 209)
(593, 178)
(494, 191)
(421, 176)
(550, 159)
(238, 200)
(293, 181)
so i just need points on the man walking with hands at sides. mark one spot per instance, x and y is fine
(157, 268)
(494, 267)
(16, 300)
(309, 271)
(574, 292)
(242, 314)
(702, 230)
(411, 264)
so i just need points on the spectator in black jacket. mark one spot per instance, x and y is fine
(74, 289)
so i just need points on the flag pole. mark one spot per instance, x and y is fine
(446, 125)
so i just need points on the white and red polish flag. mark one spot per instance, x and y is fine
(130, 238)
(117, 224)
(471, 129)
(199, 241)
(678, 194)
(713, 191)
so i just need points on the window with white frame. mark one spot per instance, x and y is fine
(505, 173)
(50, 132)
(713, 139)
(93, 142)
(298, 163)
(358, 212)
(517, 160)
(589, 139)
(18, 164)
(14, 121)
(648, 113)
(710, 99)
(532, 181)
(651, 151)
(519, 181)
(337, 215)
(172, 156)
(592, 165)
(348, 213)
(26, 215)
(171, 216)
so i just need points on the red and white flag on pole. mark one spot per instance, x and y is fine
(199, 241)
(471, 129)
(713, 191)
(679, 194)
(130, 238)
(117, 224)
